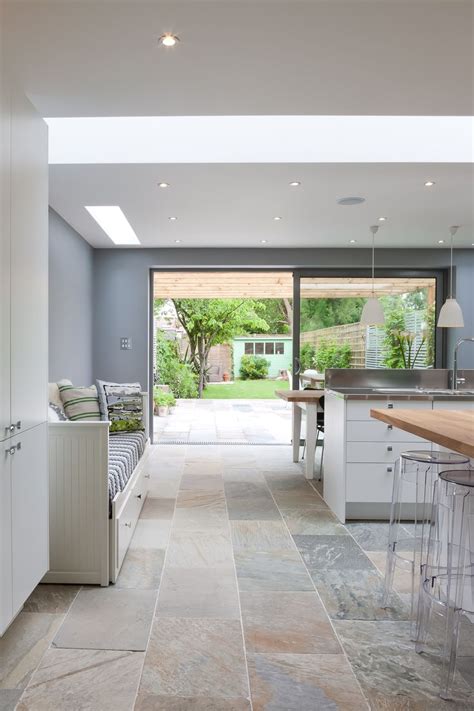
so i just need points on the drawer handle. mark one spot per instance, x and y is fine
(389, 469)
(139, 496)
(390, 427)
(14, 426)
(11, 450)
(147, 476)
(390, 405)
(389, 448)
(128, 525)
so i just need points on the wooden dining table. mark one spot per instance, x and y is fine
(453, 429)
(304, 401)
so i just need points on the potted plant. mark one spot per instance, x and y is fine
(162, 401)
(225, 377)
(171, 402)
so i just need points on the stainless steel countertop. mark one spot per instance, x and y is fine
(402, 394)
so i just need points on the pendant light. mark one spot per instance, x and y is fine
(372, 313)
(450, 315)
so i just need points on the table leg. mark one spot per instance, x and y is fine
(311, 432)
(296, 431)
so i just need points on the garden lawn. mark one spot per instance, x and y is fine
(244, 390)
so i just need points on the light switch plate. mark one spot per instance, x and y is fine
(126, 343)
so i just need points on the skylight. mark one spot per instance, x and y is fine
(114, 223)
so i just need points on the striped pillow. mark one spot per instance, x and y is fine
(80, 403)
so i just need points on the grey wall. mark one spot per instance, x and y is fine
(70, 303)
(121, 278)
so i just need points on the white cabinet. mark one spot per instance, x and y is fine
(23, 351)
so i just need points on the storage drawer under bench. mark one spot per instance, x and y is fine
(127, 516)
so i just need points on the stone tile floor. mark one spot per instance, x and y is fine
(239, 591)
(239, 421)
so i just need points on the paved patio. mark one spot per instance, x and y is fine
(219, 421)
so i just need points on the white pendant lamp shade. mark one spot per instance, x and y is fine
(450, 315)
(372, 313)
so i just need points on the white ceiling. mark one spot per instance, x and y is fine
(234, 205)
(254, 57)
(321, 57)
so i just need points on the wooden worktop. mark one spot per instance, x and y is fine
(300, 395)
(453, 429)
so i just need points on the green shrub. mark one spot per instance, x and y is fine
(161, 397)
(332, 355)
(253, 367)
(307, 353)
(172, 371)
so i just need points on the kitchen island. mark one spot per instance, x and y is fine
(360, 451)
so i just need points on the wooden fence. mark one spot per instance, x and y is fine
(352, 333)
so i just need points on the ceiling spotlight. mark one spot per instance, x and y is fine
(429, 183)
(168, 40)
(350, 201)
(352, 241)
(295, 183)
(263, 241)
(172, 219)
(441, 241)
(163, 185)
(382, 219)
(277, 218)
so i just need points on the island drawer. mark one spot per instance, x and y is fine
(360, 409)
(376, 431)
(373, 483)
(382, 452)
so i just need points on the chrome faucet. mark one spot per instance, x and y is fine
(457, 381)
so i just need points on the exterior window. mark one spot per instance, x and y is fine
(259, 349)
(279, 348)
(269, 348)
(248, 347)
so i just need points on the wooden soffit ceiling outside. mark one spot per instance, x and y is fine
(273, 285)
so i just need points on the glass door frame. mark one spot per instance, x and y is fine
(441, 281)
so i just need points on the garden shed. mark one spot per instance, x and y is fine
(276, 349)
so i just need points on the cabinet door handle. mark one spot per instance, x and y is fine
(18, 425)
(139, 496)
(147, 476)
(390, 405)
(389, 469)
(128, 525)
(390, 427)
(14, 448)
(389, 448)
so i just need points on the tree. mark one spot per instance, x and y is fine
(323, 313)
(278, 314)
(208, 322)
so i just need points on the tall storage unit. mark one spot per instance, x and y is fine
(23, 351)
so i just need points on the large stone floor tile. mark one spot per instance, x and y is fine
(141, 569)
(192, 657)
(23, 645)
(356, 595)
(151, 534)
(56, 599)
(213, 483)
(370, 535)
(332, 552)
(287, 622)
(152, 702)
(199, 549)
(248, 508)
(310, 519)
(84, 680)
(108, 618)
(198, 592)
(271, 570)
(303, 682)
(9, 699)
(159, 508)
(392, 675)
(261, 535)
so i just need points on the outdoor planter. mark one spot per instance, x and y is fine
(163, 410)
(225, 377)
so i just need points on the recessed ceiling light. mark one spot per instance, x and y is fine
(163, 185)
(350, 200)
(114, 223)
(172, 219)
(441, 241)
(295, 183)
(263, 241)
(429, 183)
(177, 241)
(382, 219)
(352, 241)
(168, 39)
(277, 218)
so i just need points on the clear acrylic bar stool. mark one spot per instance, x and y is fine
(413, 479)
(447, 587)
